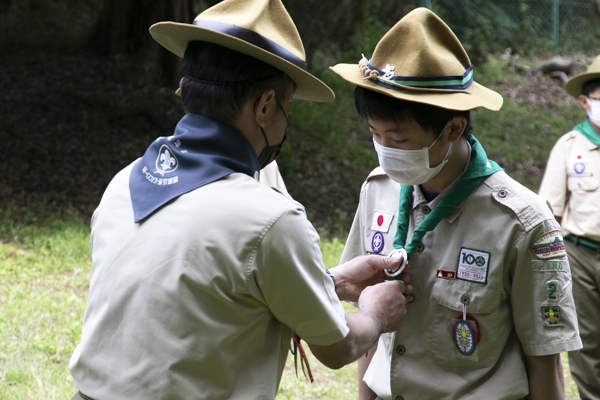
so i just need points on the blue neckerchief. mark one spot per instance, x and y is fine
(202, 150)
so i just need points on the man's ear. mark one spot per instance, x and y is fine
(458, 124)
(263, 106)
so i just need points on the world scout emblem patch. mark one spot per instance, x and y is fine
(377, 242)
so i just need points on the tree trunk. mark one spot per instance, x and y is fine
(121, 30)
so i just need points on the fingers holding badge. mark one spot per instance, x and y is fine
(397, 254)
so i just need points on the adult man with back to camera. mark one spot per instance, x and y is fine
(200, 274)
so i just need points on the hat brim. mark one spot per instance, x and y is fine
(474, 96)
(573, 85)
(175, 37)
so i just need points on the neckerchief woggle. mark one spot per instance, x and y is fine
(586, 130)
(201, 150)
(478, 168)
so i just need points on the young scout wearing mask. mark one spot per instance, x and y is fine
(492, 305)
(571, 184)
(200, 273)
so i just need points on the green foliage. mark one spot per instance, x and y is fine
(520, 136)
(526, 26)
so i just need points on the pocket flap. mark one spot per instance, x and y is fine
(481, 299)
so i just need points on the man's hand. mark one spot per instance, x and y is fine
(385, 303)
(353, 276)
(381, 309)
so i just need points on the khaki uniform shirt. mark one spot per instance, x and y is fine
(571, 184)
(501, 254)
(271, 176)
(199, 300)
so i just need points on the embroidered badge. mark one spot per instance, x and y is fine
(553, 291)
(464, 337)
(377, 242)
(473, 265)
(549, 245)
(446, 274)
(549, 266)
(165, 161)
(551, 315)
(381, 221)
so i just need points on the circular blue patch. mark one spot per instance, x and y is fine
(579, 167)
(377, 242)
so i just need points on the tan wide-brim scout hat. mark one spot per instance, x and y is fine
(421, 60)
(573, 86)
(262, 29)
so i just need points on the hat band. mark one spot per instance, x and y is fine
(253, 38)
(427, 82)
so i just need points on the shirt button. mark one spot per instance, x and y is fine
(426, 210)
(502, 194)
(420, 247)
(399, 398)
(400, 350)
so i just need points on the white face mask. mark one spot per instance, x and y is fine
(594, 112)
(409, 167)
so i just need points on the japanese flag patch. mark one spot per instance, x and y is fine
(381, 221)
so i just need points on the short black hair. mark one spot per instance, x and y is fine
(590, 86)
(218, 81)
(380, 107)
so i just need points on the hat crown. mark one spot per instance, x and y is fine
(268, 18)
(574, 85)
(421, 45)
(594, 66)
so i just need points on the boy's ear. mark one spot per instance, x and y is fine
(458, 124)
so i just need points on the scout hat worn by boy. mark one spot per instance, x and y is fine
(261, 29)
(573, 86)
(421, 60)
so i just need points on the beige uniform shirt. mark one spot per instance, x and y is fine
(571, 184)
(501, 253)
(199, 300)
(271, 176)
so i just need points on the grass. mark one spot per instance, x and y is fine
(44, 274)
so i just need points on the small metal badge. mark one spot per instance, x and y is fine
(397, 271)
(377, 242)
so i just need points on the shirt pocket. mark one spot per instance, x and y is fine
(484, 305)
(583, 183)
(583, 195)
